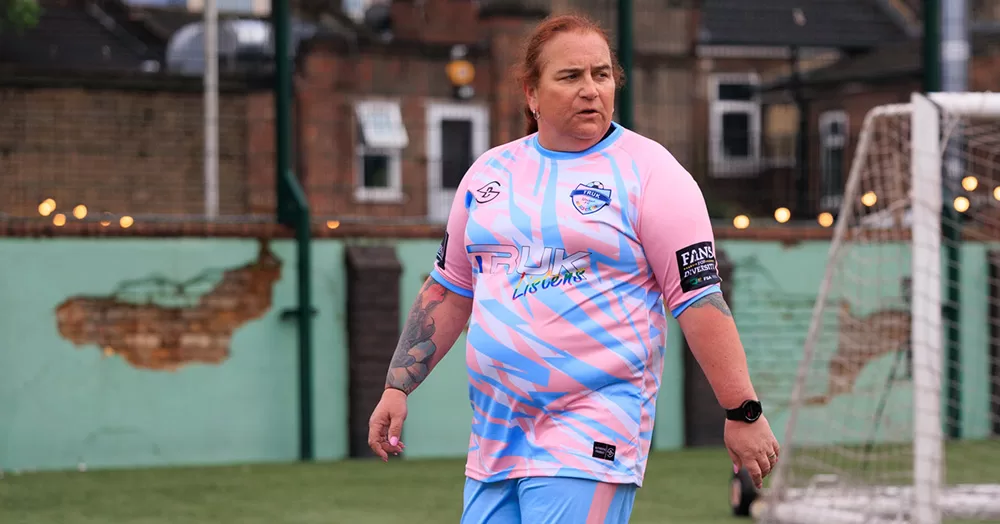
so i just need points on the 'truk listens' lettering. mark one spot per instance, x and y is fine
(526, 287)
(493, 258)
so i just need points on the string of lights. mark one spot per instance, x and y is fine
(783, 215)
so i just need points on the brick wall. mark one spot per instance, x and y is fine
(120, 149)
(661, 27)
(439, 21)
(373, 305)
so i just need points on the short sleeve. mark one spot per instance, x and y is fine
(676, 235)
(451, 265)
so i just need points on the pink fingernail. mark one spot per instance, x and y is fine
(393, 441)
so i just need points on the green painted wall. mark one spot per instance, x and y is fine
(775, 288)
(62, 405)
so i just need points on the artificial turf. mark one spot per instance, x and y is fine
(688, 487)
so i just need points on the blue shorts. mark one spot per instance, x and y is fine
(549, 500)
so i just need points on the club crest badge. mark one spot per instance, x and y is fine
(590, 198)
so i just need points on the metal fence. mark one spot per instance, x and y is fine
(109, 115)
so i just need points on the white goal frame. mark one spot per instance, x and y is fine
(927, 498)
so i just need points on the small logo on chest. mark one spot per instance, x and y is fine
(488, 192)
(590, 198)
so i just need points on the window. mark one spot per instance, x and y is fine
(255, 7)
(734, 124)
(832, 146)
(381, 140)
(457, 133)
(456, 151)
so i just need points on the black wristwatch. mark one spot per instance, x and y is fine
(748, 412)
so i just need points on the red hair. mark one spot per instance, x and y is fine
(529, 70)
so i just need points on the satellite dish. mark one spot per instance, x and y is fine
(254, 43)
(242, 45)
(186, 48)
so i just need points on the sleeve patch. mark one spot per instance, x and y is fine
(697, 266)
(442, 253)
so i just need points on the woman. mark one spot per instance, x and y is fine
(567, 247)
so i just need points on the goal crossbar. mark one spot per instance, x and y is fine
(985, 105)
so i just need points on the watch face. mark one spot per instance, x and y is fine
(751, 410)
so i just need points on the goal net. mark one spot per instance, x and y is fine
(895, 412)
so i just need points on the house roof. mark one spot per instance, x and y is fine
(105, 35)
(78, 35)
(897, 60)
(842, 24)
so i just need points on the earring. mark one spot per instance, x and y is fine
(534, 113)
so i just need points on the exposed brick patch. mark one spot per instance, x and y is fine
(166, 336)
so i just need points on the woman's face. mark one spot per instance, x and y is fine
(575, 95)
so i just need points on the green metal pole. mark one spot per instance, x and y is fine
(932, 46)
(280, 23)
(626, 43)
(950, 237)
(293, 211)
(305, 313)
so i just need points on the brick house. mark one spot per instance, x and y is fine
(411, 168)
(379, 130)
(839, 96)
(748, 159)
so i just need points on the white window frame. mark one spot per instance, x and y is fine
(393, 193)
(437, 111)
(721, 165)
(826, 143)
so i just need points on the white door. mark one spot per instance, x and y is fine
(457, 134)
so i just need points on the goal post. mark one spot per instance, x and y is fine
(864, 439)
(927, 337)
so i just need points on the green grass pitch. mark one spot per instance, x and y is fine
(689, 487)
(684, 487)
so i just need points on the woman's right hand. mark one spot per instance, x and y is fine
(386, 424)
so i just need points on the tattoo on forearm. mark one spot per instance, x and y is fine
(715, 300)
(411, 362)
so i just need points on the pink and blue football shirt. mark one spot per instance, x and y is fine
(572, 260)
